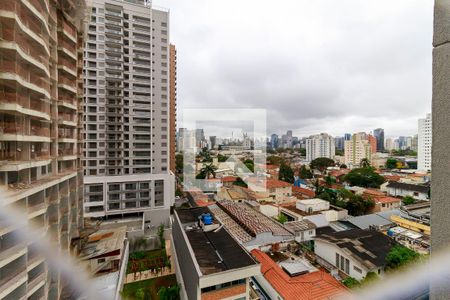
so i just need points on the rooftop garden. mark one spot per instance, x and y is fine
(163, 288)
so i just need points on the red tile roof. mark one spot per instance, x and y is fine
(386, 199)
(229, 179)
(312, 286)
(274, 184)
(373, 192)
(303, 191)
(392, 177)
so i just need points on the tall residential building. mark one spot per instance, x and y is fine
(274, 141)
(40, 167)
(347, 136)
(389, 144)
(424, 144)
(357, 149)
(127, 112)
(173, 105)
(320, 145)
(414, 142)
(373, 143)
(339, 142)
(379, 134)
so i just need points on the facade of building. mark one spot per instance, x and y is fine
(339, 142)
(379, 135)
(357, 149)
(373, 143)
(424, 144)
(127, 107)
(173, 105)
(40, 110)
(352, 251)
(321, 145)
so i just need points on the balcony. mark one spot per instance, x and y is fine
(16, 102)
(11, 281)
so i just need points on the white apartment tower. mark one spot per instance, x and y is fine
(320, 145)
(126, 123)
(424, 144)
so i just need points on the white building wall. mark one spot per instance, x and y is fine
(424, 144)
(328, 252)
(321, 145)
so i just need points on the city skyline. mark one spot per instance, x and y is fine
(317, 83)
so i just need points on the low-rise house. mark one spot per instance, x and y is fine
(303, 230)
(295, 280)
(310, 207)
(302, 193)
(210, 264)
(103, 250)
(401, 189)
(250, 227)
(372, 221)
(385, 203)
(354, 252)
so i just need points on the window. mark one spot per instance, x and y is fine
(337, 260)
(357, 269)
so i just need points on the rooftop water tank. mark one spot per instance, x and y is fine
(207, 219)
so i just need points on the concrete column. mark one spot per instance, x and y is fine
(440, 187)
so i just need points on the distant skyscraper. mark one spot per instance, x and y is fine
(402, 142)
(373, 143)
(339, 142)
(379, 134)
(347, 136)
(424, 144)
(321, 145)
(213, 141)
(389, 144)
(414, 142)
(274, 142)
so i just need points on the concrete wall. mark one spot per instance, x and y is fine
(440, 209)
(186, 261)
(318, 205)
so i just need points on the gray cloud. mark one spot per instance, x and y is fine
(316, 66)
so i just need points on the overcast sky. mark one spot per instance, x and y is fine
(331, 66)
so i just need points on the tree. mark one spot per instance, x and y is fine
(170, 293)
(161, 236)
(274, 160)
(365, 163)
(222, 158)
(179, 159)
(391, 163)
(370, 278)
(339, 152)
(140, 294)
(329, 180)
(282, 218)
(206, 155)
(240, 182)
(250, 165)
(208, 170)
(321, 163)
(286, 173)
(407, 200)
(358, 206)
(351, 282)
(304, 173)
(364, 177)
(400, 256)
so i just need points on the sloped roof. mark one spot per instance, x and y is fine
(303, 191)
(312, 286)
(408, 186)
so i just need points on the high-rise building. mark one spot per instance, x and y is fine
(424, 144)
(339, 142)
(274, 141)
(173, 105)
(320, 145)
(128, 118)
(40, 166)
(389, 144)
(357, 149)
(373, 143)
(379, 134)
(213, 141)
(414, 142)
(347, 136)
(402, 142)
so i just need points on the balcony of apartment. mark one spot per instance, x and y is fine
(12, 130)
(113, 41)
(141, 21)
(36, 282)
(142, 37)
(68, 30)
(68, 102)
(142, 89)
(67, 119)
(11, 247)
(67, 135)
(26, 104)
(67, 154)
(67, 65)
(19, 155)
(36, 205)
(12, 276)
(69, 85)
(143, 29)
(113, 30)
(141, 45)
(113, 20)
(113, 76)
(31, 25)
(15, 73)
(113, 58)
(112, 66)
